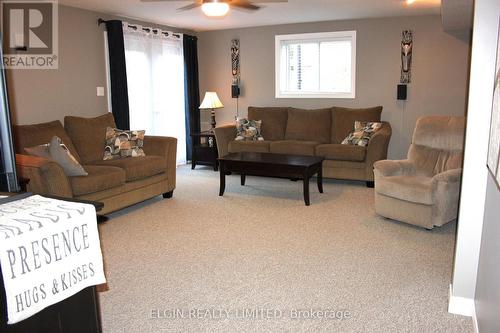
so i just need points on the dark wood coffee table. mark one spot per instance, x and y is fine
(272, 165)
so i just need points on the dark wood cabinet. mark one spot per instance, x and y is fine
(76, 314)
(204, 149)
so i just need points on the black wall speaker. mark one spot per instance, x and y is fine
(235, 91)
(402, 92)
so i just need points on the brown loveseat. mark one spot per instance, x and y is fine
(314, 132)
(116, 183)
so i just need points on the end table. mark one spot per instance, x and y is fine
(204, 153)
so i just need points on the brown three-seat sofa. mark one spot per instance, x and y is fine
(319, 132)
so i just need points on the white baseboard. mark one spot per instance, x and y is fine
(460, 305)
(474, 319)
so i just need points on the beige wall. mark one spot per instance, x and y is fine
(440, 68)
(440, 65)
(45, 95)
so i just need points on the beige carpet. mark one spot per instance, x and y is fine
(259, 247)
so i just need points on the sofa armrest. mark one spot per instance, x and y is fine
(45, 176)
(223, 135)
(379, 144)
(377, 148)
(387, 168)
(166, 147)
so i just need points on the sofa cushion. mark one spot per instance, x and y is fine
(89, 135)
(412, 188)
(339, 152)
(26, 136)
(293, 147)
(343, 120)
(236, 146)
(309, 125)
(273, 121)
(138, 167)
(99, 178)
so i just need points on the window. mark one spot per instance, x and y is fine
(155, 79)
(317, 65)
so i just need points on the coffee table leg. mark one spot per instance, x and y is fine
(320, 179)
(222, 173)
(306, 188)
(243, 178)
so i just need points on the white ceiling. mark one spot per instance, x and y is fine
(294, 11)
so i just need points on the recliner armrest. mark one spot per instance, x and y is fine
(446, 191)
(449, 176)
(223, 135)
(45, 176)
(388, 168)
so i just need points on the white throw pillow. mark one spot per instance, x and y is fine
(58, 152)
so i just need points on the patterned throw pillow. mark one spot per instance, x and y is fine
(363, 132)
(248, 130)
(121, 144)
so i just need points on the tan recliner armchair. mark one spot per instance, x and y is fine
(424, 189)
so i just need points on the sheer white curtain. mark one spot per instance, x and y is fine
(155, 78)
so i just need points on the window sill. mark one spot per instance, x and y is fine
(312, 95)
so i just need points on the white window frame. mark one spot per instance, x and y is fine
(108, 74)
(321, 36)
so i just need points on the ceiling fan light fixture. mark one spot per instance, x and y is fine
(215, 9)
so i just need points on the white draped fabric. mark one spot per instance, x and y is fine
(49, 251)
(155, 78)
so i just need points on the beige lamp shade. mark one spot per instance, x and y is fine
(211, 101)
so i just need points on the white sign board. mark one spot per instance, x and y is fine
(49, 251)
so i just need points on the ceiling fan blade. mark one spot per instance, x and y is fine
(188, 7)
(248, 6)
(197, 1)
(159, 0)
(243, 4)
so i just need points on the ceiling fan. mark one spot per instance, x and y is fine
(218, 8)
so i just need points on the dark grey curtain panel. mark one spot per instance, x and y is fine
(118, 74)
(191, 90)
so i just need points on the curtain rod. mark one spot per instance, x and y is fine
(135, 27)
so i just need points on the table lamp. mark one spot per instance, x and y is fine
(211, 102)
